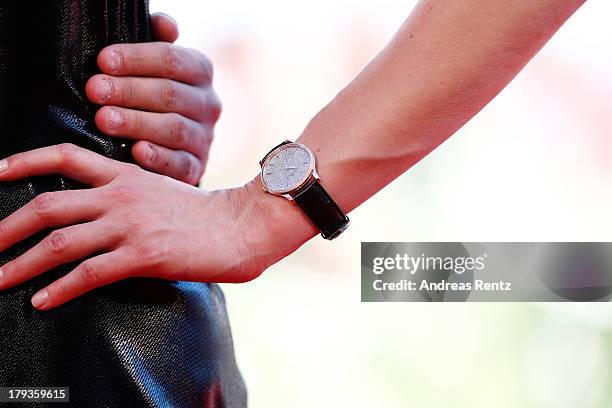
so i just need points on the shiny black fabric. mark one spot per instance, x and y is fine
(136, 343)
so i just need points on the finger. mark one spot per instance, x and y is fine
(92, 273)
(166, 129)
(53, 209)
(151, 94)
(177, 164)
(164, 27)
(58, 248)
(72, 161)
(157, 59)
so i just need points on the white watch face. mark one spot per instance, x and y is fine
(287, 168)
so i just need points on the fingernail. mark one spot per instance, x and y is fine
(3, 165)
(114, 61)
(151, 153)
(40, 298)
(105, 90)
(115, 119)
(1, 274)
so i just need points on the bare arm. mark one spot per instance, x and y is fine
(448, 60)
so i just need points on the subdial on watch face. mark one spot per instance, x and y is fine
(287, 169)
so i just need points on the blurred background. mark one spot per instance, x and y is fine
(535, 165)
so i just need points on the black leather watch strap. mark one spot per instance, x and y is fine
(322, 210)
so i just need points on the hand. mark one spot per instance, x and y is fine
(140, 224)
(162, 96)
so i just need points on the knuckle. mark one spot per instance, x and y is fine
(57, 242)
(172, 60)
(3, 229)
(130, 169)
(137, 124)
(215, 106)
(149, 254)
(90, 273)
(130, 56)
(67, 150)
(189, 169)
(122, 195)
(179, 131)
(44, 204)
(169, 95)
(15, 268)
(126, 91)
(68, 153)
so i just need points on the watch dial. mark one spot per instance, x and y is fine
(287, 169)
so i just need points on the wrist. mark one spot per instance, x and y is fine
(276, 227)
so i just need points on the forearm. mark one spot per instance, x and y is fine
(446, 63)
(448, 60)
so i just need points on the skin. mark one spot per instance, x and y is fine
(160, 95)
(448, 60)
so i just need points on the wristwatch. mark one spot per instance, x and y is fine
(289, 171)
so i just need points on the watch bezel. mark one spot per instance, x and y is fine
(307, 178)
